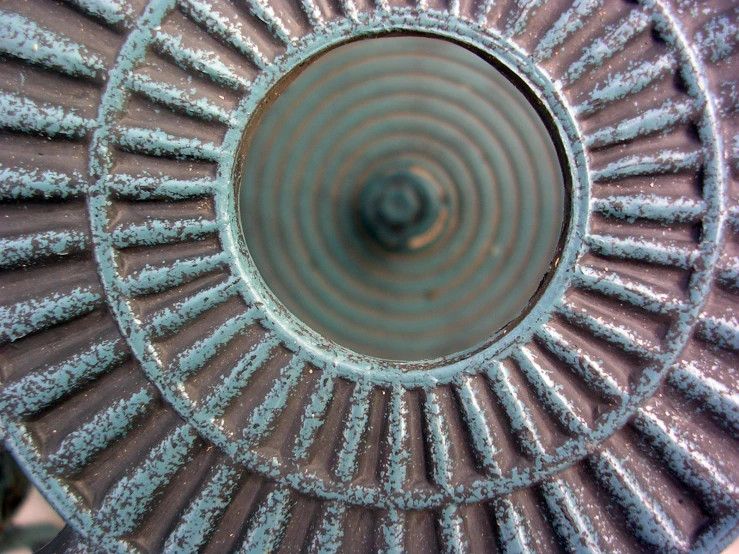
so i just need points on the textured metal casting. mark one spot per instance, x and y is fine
(386, 130)
(164, 400)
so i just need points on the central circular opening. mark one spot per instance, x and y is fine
(402, 197)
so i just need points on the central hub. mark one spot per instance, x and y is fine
(401, 210)
(400, 204)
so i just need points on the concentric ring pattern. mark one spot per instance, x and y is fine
(385, 106)
(165, 401)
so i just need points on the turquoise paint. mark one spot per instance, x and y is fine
(114, 12)
(80, 446)
(614, 39)
(22, 38)
(644, 250)
(329, 539)
(620, 335)
(574, 526)
(131, 497)
(723, 331)
(620, 85)
(550, 391)
(23, 318)
(569, 22)
(482, 438)
(21, 250)
(442, 466)
(262, 418)
(198, 354)
(173, 96)
(23, 114)
(613, 286)
(160, 144)
(203, 513)
(209, 64)
(21, 184)
(263, 11)
(397, 377)
(156, 279)
(268, 523)
(661, 119)
(64, 498)
(716, 396)
(207, 14)
(719, 37)
(146, 187)
(647, 520)
(156, 231)
(587, 369)
(40, 388)
(667, 161)
(169, 320)
(653, 207)
(236, 380)
(512, 530)
(314, 418)
(368, 497)
(683, 458)
(346, 467)
(393, 532)
(399, 457)
(452, 531)
(518, 414)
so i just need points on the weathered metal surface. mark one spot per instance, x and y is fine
(365, 118)
(164, 400)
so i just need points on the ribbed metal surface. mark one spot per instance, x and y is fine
(163, 400)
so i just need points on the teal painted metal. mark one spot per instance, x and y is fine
(471, 149)
(164, 400)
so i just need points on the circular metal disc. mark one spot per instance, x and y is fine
(385, 109)
(165, 400)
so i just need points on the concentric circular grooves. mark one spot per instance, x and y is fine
(715, 141)
(459, 263)
(349, 364)
(344, 364)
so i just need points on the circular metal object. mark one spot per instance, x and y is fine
(476, 159)
(164, 400)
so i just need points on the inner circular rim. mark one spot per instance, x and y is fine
(546, 118)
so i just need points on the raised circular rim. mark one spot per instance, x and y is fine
(574, 185)
(20, 436)
(514, 64)
(342, 363)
